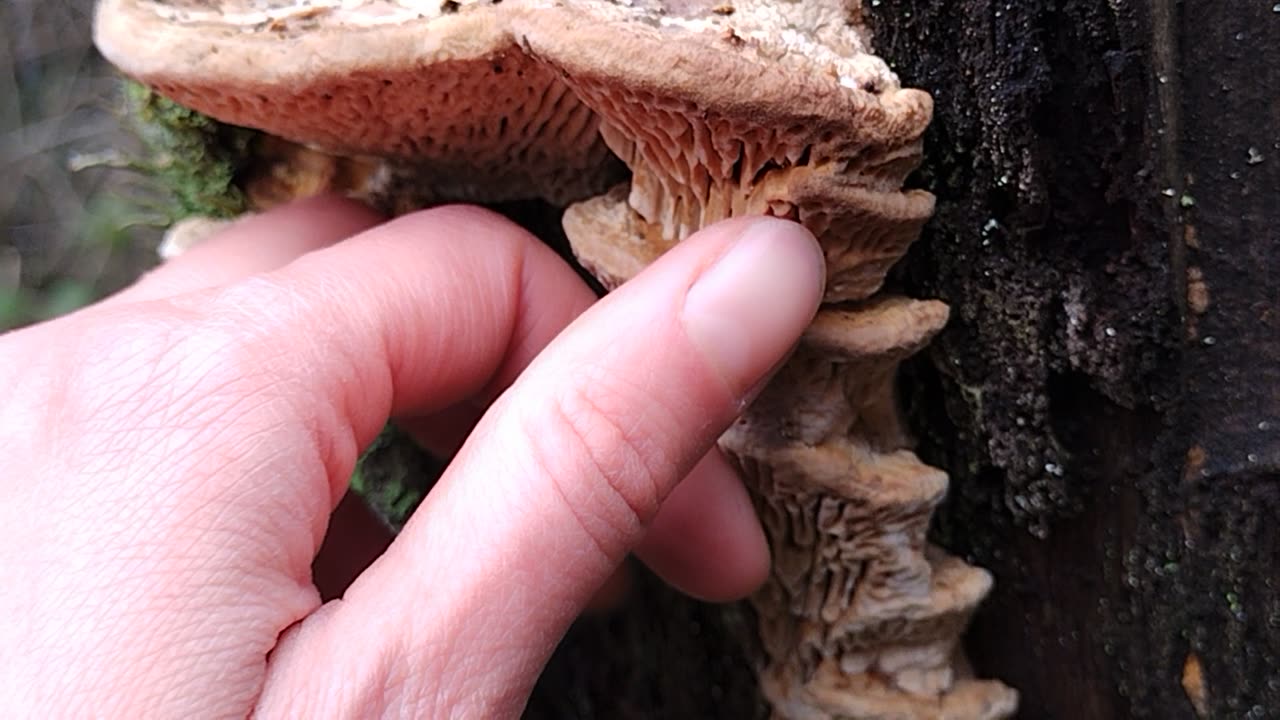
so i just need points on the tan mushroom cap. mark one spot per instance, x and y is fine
(440, 85)
(870, 696)
(772, 108)
(862, 233)
(840, 381)
(856, 598)
(885, 329)
(609, 239)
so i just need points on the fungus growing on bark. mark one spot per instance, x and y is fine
(780, 109)
(775, 109)
(719, 110)
(441, 91)
(860, 618)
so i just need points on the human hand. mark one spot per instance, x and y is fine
(172, 456)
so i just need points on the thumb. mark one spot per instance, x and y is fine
(560, 478)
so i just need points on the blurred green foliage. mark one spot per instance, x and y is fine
(91, 168)
(19, 305)
(74, 224)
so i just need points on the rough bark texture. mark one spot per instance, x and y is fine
(1107, 395)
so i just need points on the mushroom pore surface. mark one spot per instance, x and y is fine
(439, 91)
(775, 108)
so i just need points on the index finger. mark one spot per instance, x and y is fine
(253, 244)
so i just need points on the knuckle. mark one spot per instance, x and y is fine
(600, 460)
(165, 353)
(139, 372)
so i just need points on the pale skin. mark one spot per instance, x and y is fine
(173, 456)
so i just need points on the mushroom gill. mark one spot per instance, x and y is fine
(719, 109)
(767, 110)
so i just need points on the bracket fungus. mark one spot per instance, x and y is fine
(718, 110)
(438, 91)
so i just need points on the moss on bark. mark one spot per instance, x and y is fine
(192, 158)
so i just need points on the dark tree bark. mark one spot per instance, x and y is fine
(1107, 395)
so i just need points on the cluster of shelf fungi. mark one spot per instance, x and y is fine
(717, 110)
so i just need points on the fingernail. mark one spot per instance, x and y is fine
(746, 311)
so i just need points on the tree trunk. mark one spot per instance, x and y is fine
(1107, 394)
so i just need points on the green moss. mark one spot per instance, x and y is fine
(192, 157)
(394, 475)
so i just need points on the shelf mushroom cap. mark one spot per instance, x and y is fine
(793, 75)
(440, 86)
(743, 108)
